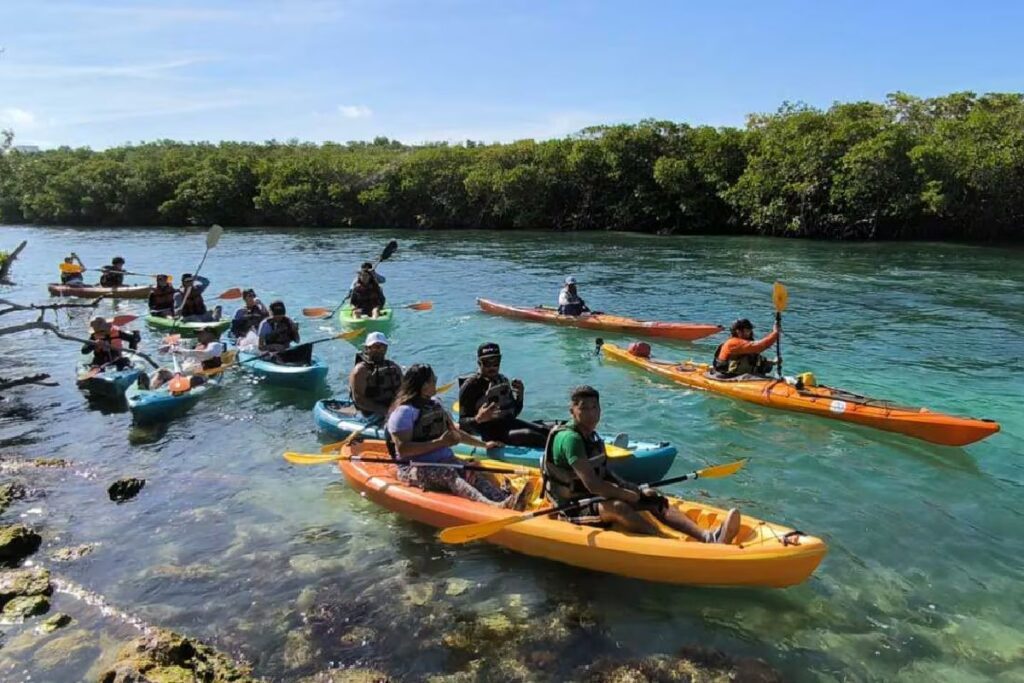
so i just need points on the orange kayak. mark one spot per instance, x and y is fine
(920, 423)
(763, 554)
(602, 321)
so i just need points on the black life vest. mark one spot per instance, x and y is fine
(747, 364)
(561, 483)
(432, 422)
(194, 304)
(111, 278)
(212, 363)
(499, 392)
(281, 331)
(366, 297)
(162, 299)
(383, 381)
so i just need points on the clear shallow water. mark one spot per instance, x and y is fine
(230, 543)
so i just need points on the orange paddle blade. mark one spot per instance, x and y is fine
(123, 319)
(421, 306)
(171, 339)
(233, 293)
(315, 312)
(179, 384)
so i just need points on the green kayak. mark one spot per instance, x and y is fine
(369, 324)
(172, 325)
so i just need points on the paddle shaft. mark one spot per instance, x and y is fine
(384, 255)
(446, 465)
(267, 354)
(778, 344)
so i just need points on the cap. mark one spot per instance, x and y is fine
(570, 280)
(488, 350)
(741, 324)
(375, 338)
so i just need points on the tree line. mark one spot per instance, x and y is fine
(949, 167)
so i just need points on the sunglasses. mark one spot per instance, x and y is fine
(490, 362)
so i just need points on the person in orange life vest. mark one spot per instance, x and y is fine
(105, 344)
(161, 298)
(741, 355)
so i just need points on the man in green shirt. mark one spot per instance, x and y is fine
(576, 467)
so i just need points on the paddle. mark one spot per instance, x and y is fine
(212, 238)
(314, 459)
(128, 272)
(230, 294)
(351, 334)
(389, 249)
(780, 297)
(326, 315)
(122, 319)
(474, 532)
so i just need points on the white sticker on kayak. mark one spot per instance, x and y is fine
(838, 406)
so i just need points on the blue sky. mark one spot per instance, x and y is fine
(105, 73)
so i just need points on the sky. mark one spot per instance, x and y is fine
(101, 74)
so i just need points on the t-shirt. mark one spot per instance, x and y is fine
(568, 447)
(403, 418)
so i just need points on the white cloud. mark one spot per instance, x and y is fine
(19, 118)
(355, 111)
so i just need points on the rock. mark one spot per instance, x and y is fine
(28, 581)
(51, 462)
(348, 676)
(707, 665)
(308, 563)
(298, 650)
(358, 635)
(496, 625)
(9, 493)
(456, 586)
(306, 598)
(25, 606)
(17, 542)
(58, 651)
(72, 553)
(51, 624)
(166, 657)
(187, 572)
(419, 594)
(125, 489)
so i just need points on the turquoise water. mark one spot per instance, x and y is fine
(923, 580)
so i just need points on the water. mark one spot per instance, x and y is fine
(230, 543)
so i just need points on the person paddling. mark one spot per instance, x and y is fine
(277, 334)
(188, 301)
(113, 275)
(575, 467)
(375, 380)
(250, 315)
(71, 271)
(206, 355)
(106, 342)
(569, 301)
(741, 355)
(490, 404)
(421, 430)
(161, 297)
(366, 297)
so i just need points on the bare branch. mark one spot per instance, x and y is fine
(50, 327)
(33, 379)
(45, 307)
(5, 265)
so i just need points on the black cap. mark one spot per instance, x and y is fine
(741, 324)
(277, 307)
(367, 265)
(186, 276)
(117, 259)
(488, 350)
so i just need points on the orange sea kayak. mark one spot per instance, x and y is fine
(763, 554)
(822, 401)
(602, 321)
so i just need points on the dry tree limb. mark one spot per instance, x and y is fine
(32, 379)
(5, 266)
(50, 327)
(42, 308)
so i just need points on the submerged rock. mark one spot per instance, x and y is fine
(166, 657)
(298, 650)
(348, 676)
(72, 553)
(125, 489)
(10, 492)
(707, 666)
(25, 606)
(456, 586)
(58, 651)
(20, 582)
(17, 542)
(51, 624)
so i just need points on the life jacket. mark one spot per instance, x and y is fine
(383, 381)
(561, 483)
(746, 364)
(162, 299)
(499, 392)
(280, 331)
(367, 297)
(114, 337)
(432, 422)
(112, 278)
(194, 304)
(212, 363)
(573, 304)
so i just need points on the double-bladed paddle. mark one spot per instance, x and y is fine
(389, 249)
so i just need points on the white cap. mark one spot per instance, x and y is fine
(570, 280)
(375, 338)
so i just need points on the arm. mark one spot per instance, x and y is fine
(294, 331)
(470, 394)
(407, 448)
(357, 387)
(200, 283)
(602, 487)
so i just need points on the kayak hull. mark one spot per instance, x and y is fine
(291, 376)
(646, 462)
(95, 292)
(176, 326)
(758, 557)
(159, 405)
(381, 324)
(106, 384)
(607, 323)
(836, 404)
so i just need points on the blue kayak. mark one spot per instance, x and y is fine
(108, 383)
(644, 461)
(294, 376)
(150, 406)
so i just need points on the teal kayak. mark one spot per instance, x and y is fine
(151, 406)
(177, 326)
(107, 383)
(644, 462)
(381, 324)
(294, 376)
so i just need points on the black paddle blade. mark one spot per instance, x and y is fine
(389, 249)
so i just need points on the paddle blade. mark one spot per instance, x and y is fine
(389, 249)
(445, 387)
(315, 312)
(120, 320)
(213, 236)
(780, 296)
(350, 335)
(474, 532)
(233, 293)
(456, 407)
(179, 385)
(171, 339)
(719, 471)
(613, 451)
(310, 458)
(421, 306)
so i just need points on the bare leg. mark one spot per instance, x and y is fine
(623, 514)
(680, 522)
(375, 313)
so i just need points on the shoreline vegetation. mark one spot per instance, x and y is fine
(945, 168)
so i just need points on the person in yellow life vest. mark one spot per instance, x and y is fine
(106, 342)
(575, 467)
(71, 271)
(113, 275)
(741, 355)
(374, 381)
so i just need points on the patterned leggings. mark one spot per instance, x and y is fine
(448, 479)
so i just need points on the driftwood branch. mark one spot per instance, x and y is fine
(50, 327)
(5, 266)
(32, 379)
(13, 307)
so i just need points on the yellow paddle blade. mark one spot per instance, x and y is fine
(780, 296)
(348, 336)
(445, 387)
(473, 532)
(315, 312)
(311, 458)
(613, 451)
(721, 470)
(455, 407)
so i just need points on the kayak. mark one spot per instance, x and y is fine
(94, 292)
(150, 406)
(380, 324)
(178, 326)
(639, 462)
(107, 383)
(823, 401)
(763, 553)
(602, 321)
(294, 376)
